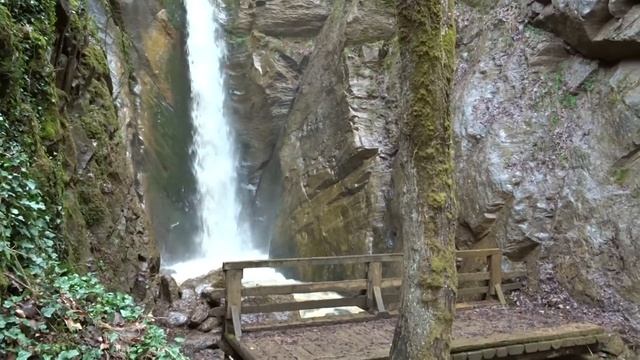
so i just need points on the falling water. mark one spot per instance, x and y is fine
(222, 236)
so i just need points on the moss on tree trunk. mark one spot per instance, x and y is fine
(424, 180)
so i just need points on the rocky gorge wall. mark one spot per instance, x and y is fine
(313, 109)
(546, 125)
(61, 96)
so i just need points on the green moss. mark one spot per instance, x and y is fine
(93, 209)
(50, 129)
(427, 38)
(620, 175)
(74, 230)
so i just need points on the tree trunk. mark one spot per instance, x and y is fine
(424, 180)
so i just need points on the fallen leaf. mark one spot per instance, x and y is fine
(72, 325)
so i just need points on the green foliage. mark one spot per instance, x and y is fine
(62, 302)
(47, 311)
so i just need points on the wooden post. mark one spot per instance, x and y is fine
(374, 294)
(233, 283)
(495, 272)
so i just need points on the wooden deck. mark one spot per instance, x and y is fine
(475, 337)
(479, 333)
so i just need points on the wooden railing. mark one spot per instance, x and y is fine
(368, 291)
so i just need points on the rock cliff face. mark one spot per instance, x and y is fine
(104, 224)
(547, 121)
(314, 107)
(548, 142)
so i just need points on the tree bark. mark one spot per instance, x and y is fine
(423, 180)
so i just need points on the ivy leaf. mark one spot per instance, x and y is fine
(68, 354)
(23, 355)
(48, 311)
(31, 184)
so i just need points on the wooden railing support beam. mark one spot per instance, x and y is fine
(495, 272)
(233, 282)
(374, 282)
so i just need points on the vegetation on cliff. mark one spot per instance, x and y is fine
(48, 310)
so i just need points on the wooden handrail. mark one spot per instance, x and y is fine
(325, 260)
(347, 259)
(372, 300)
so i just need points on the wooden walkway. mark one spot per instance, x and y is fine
(479, 333)
(372, 340)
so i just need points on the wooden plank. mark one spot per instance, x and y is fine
(374, 278)
(325, 260)
(473, 276)
(235, 318)
(319, 321)
(531, 348)
(498, 291)
(514, 274)
(473, 290)
(545, 334)
(495, 272)
(512, 286)
(322, 286)
(515, 349)
(475, 304)
(233, 283)
(355, 285)
(478, 253)
(544, 346)
(379, 302)
(459, 356)
(489, 353)
(360, 301)
(239, 347)
(304, 288)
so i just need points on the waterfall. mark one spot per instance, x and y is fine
(222, 237)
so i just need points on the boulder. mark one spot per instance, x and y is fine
(169, 290)
(199, 315)
(209, 324)
(197, 341)
(207, 295)
(176, 319)
(214, 278)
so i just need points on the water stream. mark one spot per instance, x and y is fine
(222, 236)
